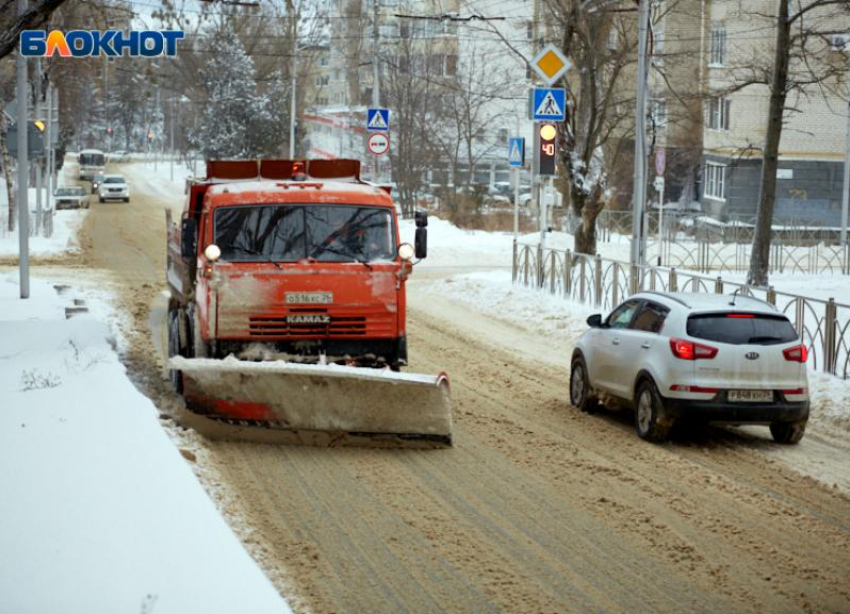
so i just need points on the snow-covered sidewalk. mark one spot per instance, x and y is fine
(99, 511)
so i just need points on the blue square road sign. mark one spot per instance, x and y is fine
(549, 104)
(516, 151)
(378, 120)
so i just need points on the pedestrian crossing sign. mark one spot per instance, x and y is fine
(378, 120)
(516, 151)
(549, 104)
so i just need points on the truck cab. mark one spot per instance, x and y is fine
(290, 260)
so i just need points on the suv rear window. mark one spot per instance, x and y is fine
(742, 328)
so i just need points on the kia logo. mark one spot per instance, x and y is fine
(752, 355)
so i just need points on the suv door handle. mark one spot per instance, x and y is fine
(616, 341)
(646, 345)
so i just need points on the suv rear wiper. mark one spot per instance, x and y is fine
(760, 338)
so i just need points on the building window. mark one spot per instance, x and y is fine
(323, 61)
(717, 49)
(451, 65)
(529, 30)
(503, 135)
(719, 110)
(715, 181)
(613, 39)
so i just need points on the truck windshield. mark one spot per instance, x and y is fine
(288, 233)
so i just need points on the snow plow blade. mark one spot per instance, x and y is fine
(284, 402)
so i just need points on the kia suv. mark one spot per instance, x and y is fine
(710, 357)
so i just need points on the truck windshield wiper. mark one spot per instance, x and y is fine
(248, 250)
(346, 254)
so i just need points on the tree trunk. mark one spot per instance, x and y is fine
(7, 168)
(760, 261)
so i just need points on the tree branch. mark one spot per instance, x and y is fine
(33, 18)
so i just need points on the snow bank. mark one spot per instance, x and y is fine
(100, 512)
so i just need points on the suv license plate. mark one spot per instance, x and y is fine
(750, 396)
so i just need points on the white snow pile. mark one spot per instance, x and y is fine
(493, 294)
(66, 224)
(99, 511)
(453, 247)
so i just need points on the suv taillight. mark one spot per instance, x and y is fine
(798, 353)
(688, 350)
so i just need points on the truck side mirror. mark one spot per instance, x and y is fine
(421, 218)
(189, 238)
(421, 243)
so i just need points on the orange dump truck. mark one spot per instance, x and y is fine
(287, 305)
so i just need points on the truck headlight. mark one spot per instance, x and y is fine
(405, 251)
(212, 252)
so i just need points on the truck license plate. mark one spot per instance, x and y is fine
(309, 298)
(750, 396)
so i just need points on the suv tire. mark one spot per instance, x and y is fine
(788, 432)
(580, 393)
(651, 422)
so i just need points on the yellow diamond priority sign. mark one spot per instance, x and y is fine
(550, 64)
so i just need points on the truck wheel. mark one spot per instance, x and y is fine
(580, 393)
(174, 349)
(788, 432)
(650, 421)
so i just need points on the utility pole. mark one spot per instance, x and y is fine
(376, 88)
(845, 195)
(23, 166)
(638, 253)
(50, 186)
(37, 162)
(171, 135)
(292, 102)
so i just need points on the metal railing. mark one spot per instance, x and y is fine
(702, 244)
(823, 325)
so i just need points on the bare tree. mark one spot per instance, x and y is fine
(800, 64)
(11, 25)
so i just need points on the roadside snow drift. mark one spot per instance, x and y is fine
(99, 511)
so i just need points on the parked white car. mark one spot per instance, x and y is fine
(709, 357)
(113, 187)
(70, 197)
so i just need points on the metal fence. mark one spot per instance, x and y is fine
(603, 283)
(710, 246)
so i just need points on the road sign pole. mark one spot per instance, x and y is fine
(23, 167)
(516, 172)
(50, 188)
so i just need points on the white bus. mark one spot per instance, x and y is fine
(92, 161)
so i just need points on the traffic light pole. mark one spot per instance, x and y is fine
(23, 167)
(39, 179)
(638, 253)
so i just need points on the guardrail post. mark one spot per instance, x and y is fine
(771, 295)
(515, 263)
(568, 274)
(652, 278)
(829, 340)
(597, 280)
(615, 290)
(539, 266)
(553, 277)
(672, 281)
(582, 280)
(718, 285)
(634, 281)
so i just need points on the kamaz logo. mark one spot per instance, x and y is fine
(308, 319)
(112, 43)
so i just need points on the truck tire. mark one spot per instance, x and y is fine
(581, 396)
(650, 421)
(174, 348)
(788, 432)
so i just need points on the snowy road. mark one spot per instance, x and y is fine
(537, 508)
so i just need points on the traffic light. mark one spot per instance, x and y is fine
(40, 126)
(547, 133)
(109, 130)
(150, 136)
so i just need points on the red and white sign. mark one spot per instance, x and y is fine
(660, 161)
(379, 143)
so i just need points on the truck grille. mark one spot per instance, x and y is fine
(279, 327)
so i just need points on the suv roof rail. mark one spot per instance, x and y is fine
(665, 295)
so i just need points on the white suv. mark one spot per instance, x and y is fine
(676, 356)
(113, 186)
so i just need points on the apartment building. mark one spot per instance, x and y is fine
(739, 46)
